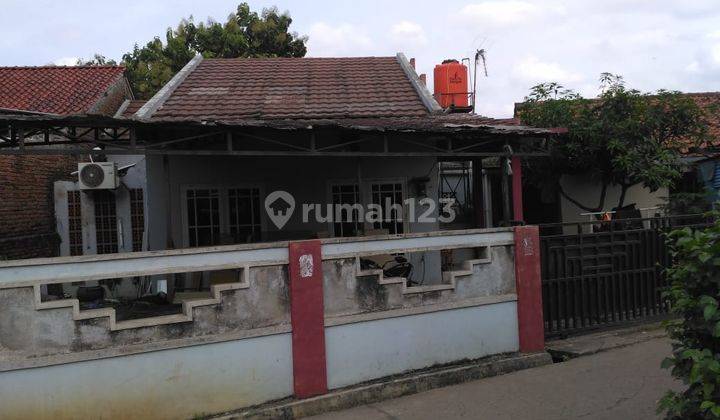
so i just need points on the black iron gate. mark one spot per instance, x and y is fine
(602, 273)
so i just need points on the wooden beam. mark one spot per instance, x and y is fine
(222, 152)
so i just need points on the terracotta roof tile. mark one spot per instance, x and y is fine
(294, 88)
(710, 102)
(132, 107)
(55, 89)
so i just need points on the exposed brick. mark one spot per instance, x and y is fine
(27, 219)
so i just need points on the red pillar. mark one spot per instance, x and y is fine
(529, 289)
(307, 318)
(516, 165)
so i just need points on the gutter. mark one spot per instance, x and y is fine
(158, 100)
(425, 96)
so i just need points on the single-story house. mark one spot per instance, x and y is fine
(702, 171)
(224, 134)
(27, 219)
(240, 301)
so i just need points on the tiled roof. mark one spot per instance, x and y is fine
(132, 107)
(710, 102)
(293, 88)
(55, 90)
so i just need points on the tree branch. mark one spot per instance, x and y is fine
(579, 204)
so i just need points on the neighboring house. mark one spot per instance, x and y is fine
(703, 170)
(705, 173)
(104, 221)
(27, 220)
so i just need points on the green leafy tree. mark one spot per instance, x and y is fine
(694, 295)
(244, 34)
(97, 60)
(623, 138)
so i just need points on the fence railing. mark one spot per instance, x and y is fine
(605, 272)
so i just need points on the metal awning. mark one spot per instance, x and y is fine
(450, 136)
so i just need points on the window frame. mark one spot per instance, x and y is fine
(361, 200)
(365, 189)
(403, 192)
(224, 206)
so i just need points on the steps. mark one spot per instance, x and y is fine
(186, 316)
(449, 278)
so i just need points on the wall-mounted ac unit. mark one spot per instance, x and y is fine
(98, 176)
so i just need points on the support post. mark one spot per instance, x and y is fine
(505, 185)
(477, 193)
(307, 318)
(517, 195)
(529, 289)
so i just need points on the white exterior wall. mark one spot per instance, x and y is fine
(168, 384)
(134, 178)
(374, 349)
(307, 179)
(588, 192)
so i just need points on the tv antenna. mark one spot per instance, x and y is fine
(479, 55)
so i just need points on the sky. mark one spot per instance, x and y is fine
(654, 44)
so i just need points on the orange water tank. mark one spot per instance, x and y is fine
(451, 84)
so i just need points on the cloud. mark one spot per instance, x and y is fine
(343, 39)
(693, 67)
(66, 61)
(531, 69)
(715, 53)
(713, 35)
(406, 33)
(499, 12)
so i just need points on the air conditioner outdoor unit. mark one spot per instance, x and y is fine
(98, 175)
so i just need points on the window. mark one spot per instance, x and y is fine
(105, 222)
(244, 212)
(74, 223)
(137, 218)
(390, 198)
(349, 223)
(223, 215)
(203, 216)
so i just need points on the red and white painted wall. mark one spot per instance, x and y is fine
(302, 320)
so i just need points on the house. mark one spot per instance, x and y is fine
(704, 172)
(699, 173)
(27, 227)
(223, 134)
(326, 130)
(300, 300)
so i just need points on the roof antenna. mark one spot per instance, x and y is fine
(479, 54)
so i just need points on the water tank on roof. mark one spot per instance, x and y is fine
(451, 85)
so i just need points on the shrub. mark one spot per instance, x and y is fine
(693, 294)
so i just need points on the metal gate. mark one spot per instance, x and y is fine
(602, 273)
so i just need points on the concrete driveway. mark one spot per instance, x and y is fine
(623, 383)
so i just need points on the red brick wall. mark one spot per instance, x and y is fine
(27, 214)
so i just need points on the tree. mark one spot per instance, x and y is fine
(244, 34)
(623, 138)
(97, 60)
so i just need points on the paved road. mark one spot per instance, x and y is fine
(623, 383)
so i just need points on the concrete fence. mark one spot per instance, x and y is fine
(301, 319)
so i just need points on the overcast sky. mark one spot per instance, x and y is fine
(654, 44)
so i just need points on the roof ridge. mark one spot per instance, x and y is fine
(59, 67)
(299, 58)
(709, 93)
